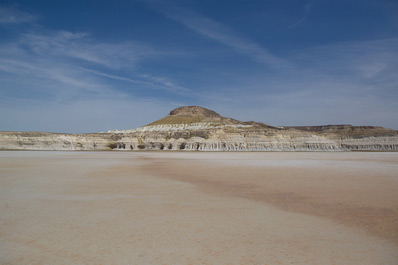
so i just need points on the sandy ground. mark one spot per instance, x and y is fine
(198, 208)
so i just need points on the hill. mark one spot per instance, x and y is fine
(194, 128)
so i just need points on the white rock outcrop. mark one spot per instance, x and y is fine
(199, 129)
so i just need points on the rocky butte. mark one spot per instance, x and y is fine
(194, 128)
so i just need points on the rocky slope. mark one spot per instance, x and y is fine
(196, 128)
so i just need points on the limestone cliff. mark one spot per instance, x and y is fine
(54, 141)
(196, 128)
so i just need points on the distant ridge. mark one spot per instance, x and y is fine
(194, 128)
(348, 130)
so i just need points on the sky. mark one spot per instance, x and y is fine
(91, 66)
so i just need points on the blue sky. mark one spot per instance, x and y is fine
(88, 66)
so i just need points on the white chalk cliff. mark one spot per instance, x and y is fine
(198, 129)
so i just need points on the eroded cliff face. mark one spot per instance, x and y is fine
(54, 141)
(199, 129)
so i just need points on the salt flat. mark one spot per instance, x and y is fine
(198, 208)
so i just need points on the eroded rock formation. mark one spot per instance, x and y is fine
(198, 129)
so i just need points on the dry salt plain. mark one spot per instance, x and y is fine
(198, 208)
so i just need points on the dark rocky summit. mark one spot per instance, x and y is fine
(194, 128)
(193, 114)
(194, 111)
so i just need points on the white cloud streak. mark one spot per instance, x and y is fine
(68, 80)
(79, 46)
(78, 65)
(9, 16)
(354, 83)
(154, 81)
(345, 83)
(221, 33)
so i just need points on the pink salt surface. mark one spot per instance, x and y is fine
(198, 208)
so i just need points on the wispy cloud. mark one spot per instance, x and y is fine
(70, 76)
(219, 32)
(53, 76)
(80, 46)
(78, 64)
(165, 82)
(363, 61)
(73, 76)
(130, 80)
(303, 19)
(9, 15)
(154, 82)
(351, 82)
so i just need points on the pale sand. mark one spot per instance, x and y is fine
(198, 208)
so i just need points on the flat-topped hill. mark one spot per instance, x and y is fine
(194, 128)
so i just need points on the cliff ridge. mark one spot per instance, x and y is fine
(194, 128)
